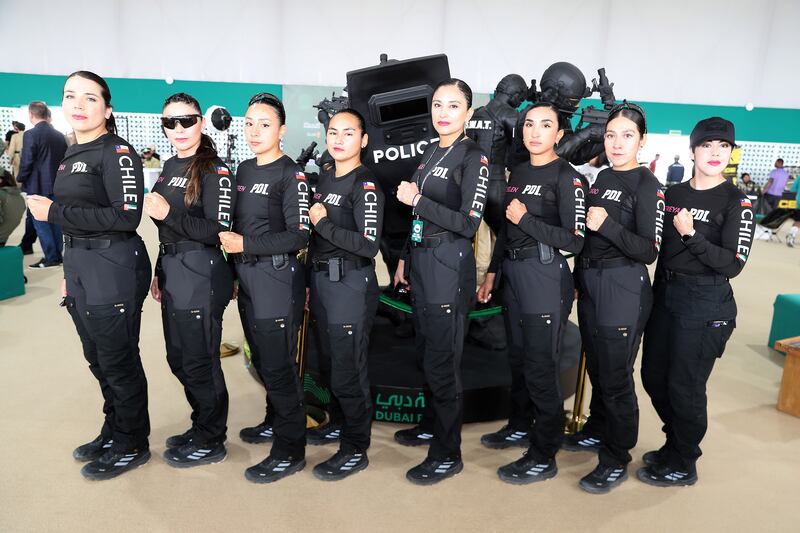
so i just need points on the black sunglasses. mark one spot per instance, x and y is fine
(187, 121)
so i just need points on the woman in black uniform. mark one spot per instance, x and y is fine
(98, 192)
(347, 215)
(545, 213)
(707, 238)
(625, 218)
(448, 195)
(191, 202)
(270, 226)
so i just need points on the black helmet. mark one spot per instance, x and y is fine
(514, 86)
(563, 84)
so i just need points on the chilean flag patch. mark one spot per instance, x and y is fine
(121, 149)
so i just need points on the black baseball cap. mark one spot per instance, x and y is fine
(712, 129)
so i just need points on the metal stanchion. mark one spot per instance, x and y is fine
(575, 418)
(302, 335)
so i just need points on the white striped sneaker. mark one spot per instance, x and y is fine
(272, 469)
(505, 437)
(112, 464)
(603, 478)
(257, 434)
(527, 469)
(341, 465)
(581, 442)
(432, 471)
(195, 454)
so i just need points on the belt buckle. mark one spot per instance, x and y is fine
(513, 254)
(67, 240)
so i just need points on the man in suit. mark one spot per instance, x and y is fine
(42, 150)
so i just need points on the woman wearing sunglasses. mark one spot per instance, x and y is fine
(191, 203)
(98, 191)
(270, 226)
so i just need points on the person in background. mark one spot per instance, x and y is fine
(13, 150)
(675, 172)
(14, 146)
(42, 151)
(795, 188)
(748, 186)
(150, 159)
(12, 206)
(773, 189)
(653, 164)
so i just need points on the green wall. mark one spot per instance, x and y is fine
(134, 95)
(146, 96)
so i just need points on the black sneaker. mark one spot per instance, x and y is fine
(92, 450)
(195, 454)
(341, 465)
(527, 470)
(272, 469)
(112, 464)
(504, 438)
(327, 434)
(603, 478)
(432, 471)
(176, 441)
(45, 264)
(652, 457)
(666, 476)
(413, 437)
(580, 442)
(257, 434)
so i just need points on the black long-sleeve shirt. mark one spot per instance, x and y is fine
(98, 188)
(453, 196)
(555, 197)
(352, 228)
(213, 211)
(271, 207)
(723, 222)
(635, 205)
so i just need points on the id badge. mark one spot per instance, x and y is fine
(416, 230)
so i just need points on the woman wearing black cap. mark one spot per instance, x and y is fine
(707, 237)
(625, 217)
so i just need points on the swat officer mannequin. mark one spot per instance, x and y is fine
(492, 128)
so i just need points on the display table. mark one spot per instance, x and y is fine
(785, 318)
(12, 281)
